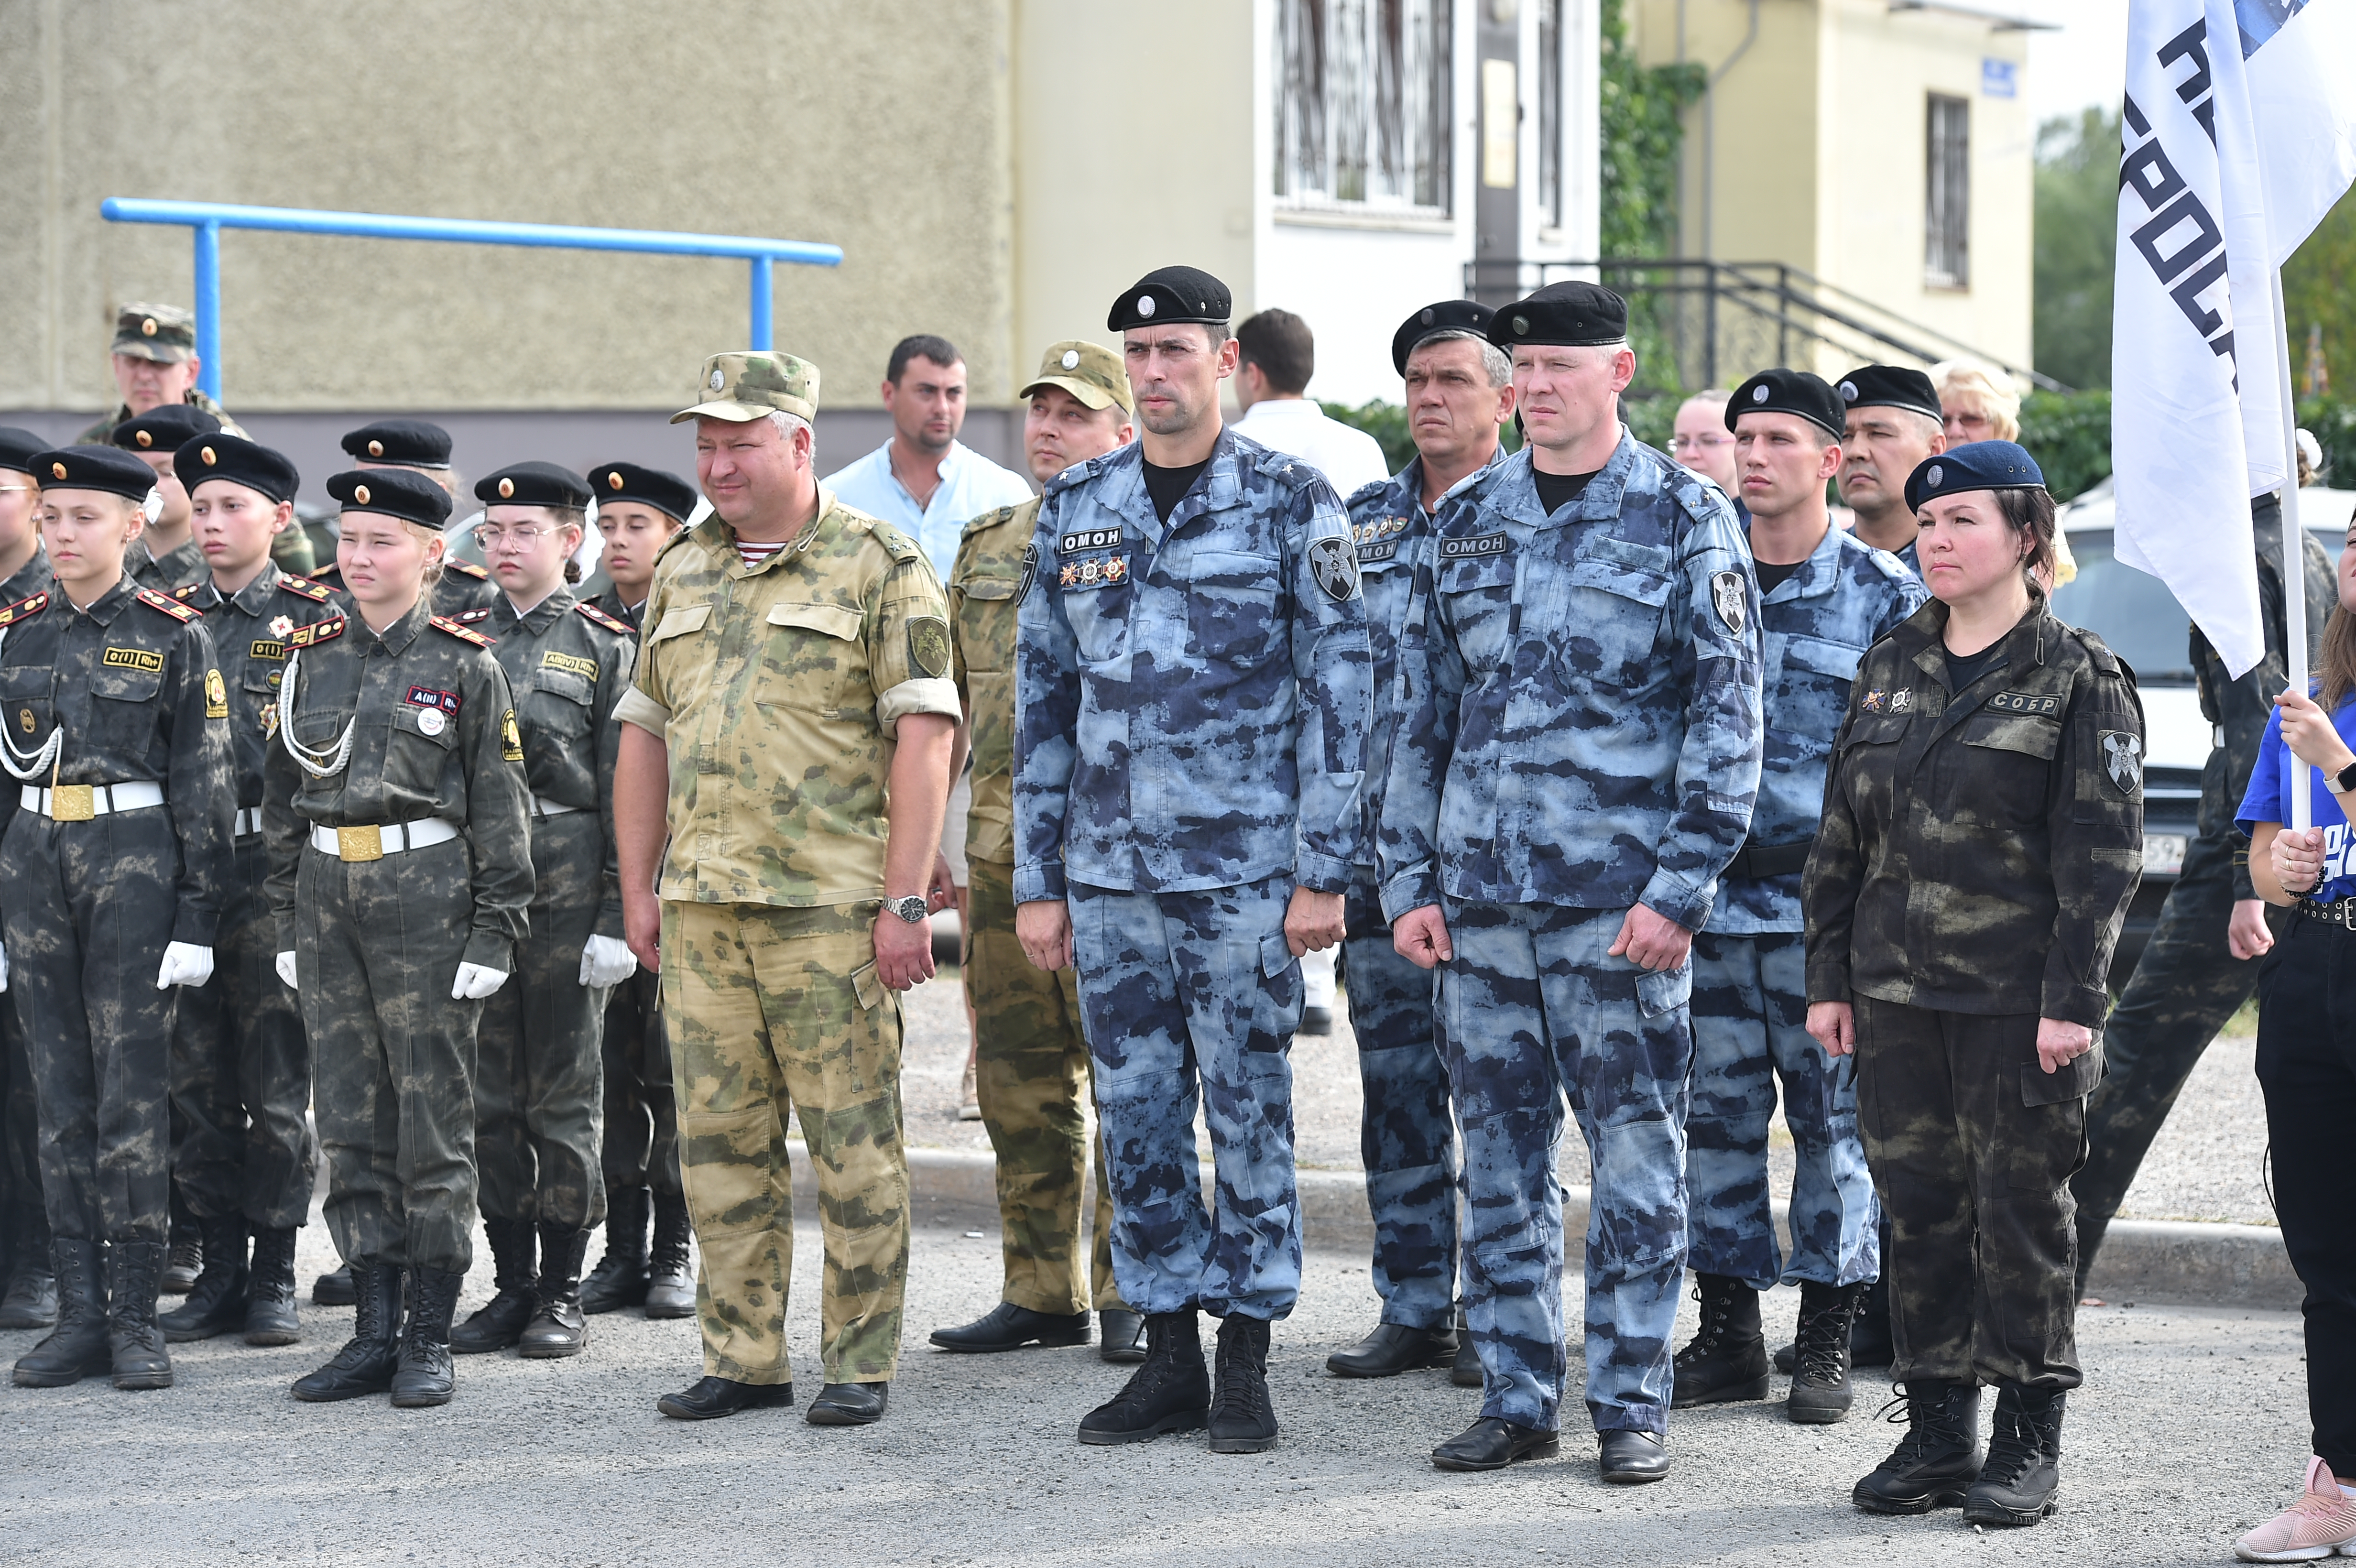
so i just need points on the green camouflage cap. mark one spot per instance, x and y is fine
(1089, 371)
(166, 334)
(750, 386)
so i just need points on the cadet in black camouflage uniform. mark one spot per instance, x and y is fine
(400, 871)
(30, 1297)
(114, 856)
(165, 556)
(423, 447)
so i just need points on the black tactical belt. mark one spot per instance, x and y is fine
(1756, 861)
(2340, 913)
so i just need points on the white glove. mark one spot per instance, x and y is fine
(185, 963)
(4, 968)
(608, 961)
(474, 982)
(286, 970)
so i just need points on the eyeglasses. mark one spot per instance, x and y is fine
(523, 536)
(1697, 443)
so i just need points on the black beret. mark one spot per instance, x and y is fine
(412, 444)
(164, 428)
(1580, 315)
(1168, 295)
(532, 485)
(1974, 465)
(1800, 392)
(1446, 315)
(19, 447)
(627, 482)
(1890, 386)
(95, 468)
(395, 493)
(238, 461)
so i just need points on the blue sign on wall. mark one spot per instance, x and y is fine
(2000, 78)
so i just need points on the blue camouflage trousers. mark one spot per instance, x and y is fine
(1407, 1138)
(1750, 1028)
(1534, 1010)
(1191, 999)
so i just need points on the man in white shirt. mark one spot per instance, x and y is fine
(1276, 356)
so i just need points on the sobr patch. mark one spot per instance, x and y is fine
(1334, 562)
(1727, 597)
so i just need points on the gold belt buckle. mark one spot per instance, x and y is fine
(360, 844)
(73, 803)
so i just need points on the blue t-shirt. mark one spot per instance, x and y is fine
(2269, 796)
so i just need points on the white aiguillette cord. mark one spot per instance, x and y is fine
(318, 764)
(27, 766)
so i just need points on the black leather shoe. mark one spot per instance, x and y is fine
(2023, 1471)
(1489, 1444)
(1631, 1458)
(1822, 1390)
(671, 1277)
(187, 1255)
(1120, 1335)
(1464, 1371)
(715, 1397)
(31, 1298)
(270, 1317)
(557, 1327)
(849, 1405)
(77, 1346)
(335, 1288)
(364, 1365)
(1393, 1348)
(215, 1303)
(620, 1277)
(498, 1324)
(1936, 1462)
(421, 1373)
(1726, 1362)
(1007, 1327)
(134, 1340)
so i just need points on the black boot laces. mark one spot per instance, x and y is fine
(1243, 1391)
(1929, 1426)
(1824, 1335)
(2017, 1443)
(1711, 1329)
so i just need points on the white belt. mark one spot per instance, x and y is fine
(79, 803)
(249, 822)
(543, 806)
(376, 843)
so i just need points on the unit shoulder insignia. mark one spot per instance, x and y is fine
(463, 634)
(319, 632)
(304, 588)
(169, 606)
(11, 614)
(596, 617)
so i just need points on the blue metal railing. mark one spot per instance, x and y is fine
(207, 218)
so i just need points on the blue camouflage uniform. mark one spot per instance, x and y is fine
(1579, 731)
(1911, 558)
(1193, 700)
(1751, 992)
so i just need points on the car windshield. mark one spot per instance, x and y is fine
(2132, 610)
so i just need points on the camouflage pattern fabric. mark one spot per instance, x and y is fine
(177, 568)
(984, 590)
(24, 1223)
(773, 1011)
(99, 433)
(641, 1114)
(463, 588)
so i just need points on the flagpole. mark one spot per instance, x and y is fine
(2294, 556)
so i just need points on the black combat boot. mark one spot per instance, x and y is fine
(557, 1327)
(335, 1288)
(215, 1303)
(364, 1366)
(1821, 1390)
(187, 1259)
(620, 1277)
(135, 1340)
(1937, 1460)
(1869, 1340)
(1171, 1392)
(422, 1372)
(270, 1315)
(1727, 1360)
(30, 1300)
(2023, 1472)
(1242, 1421)
(499, 1323)
(78, 1346)
(671, 1283)
(1464, 1371)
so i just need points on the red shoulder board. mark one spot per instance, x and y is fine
(11, 614)
(304, 588)
(169, 606)
(468, 617)
(596, 617)
(321, 632)
(466, 569)
(463, 634)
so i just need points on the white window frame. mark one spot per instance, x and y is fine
(1362, 128)
(1947, 192)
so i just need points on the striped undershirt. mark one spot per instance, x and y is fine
(754, 554)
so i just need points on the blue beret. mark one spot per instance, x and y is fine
(1975, 465)
(1789, 392)
(1446, 315)
(240, 461)
(401, 493)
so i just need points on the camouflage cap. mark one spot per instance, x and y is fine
(748, 385)
(165, 333)
(1089, 371)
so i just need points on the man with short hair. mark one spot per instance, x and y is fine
(165, 556)
(1699, 440)
(1460, 389)
(29, 1299)
(156, 364)
(1892, 429)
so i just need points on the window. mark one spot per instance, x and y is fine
(1947, 206)
(1362, 103)
(1550, 112)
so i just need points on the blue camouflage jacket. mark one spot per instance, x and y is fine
(1578, 696)
(1818, 624)
(1193, 697)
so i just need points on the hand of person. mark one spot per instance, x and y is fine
(287, 971)
(904, 953)
(474, 982)
(1312, 920)
(1652, 941)
(2298, 859)
(1833, 1026)
(942, 894)
(2247, 933)
(2058, 1044)
(642, 927)
(2307, 731)
(185, 963)
(606, 961)
(1420, 937)
(1044, 927)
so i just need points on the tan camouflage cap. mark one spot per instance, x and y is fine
(165, 333)
(1090, 372)
(748, 385)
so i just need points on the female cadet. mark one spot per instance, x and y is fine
(400, 868)
(538, 1083)
(1982, 833)
(114, 719)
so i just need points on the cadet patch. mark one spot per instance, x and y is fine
(510, 739)
(928, 645)
(2025, 702)
(2123, 761)
(280, 624)
(23, 607)
(571, 664)
(1030, 570)
(1334, 562)
(316, 633)
(426, 697)
(1728, 598)
(132, 658)
(1482, 544)
(268, 648)
(169, 606)
(216, 695)
(1091, 538)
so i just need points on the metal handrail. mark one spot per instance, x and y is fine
(207, 218)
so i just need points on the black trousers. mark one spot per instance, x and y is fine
(2306, 1065)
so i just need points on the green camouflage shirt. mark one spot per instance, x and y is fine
(100, 433)
(984, 588)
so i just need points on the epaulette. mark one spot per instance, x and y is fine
(596, 617)
(468, 617)
(169, 606)
(988, 520)
(2098, 652)
(464, 635)
(895, 542)
(186, 590)
(316, 633)
(466, 569)
(304, 588)
(1891, 567)
(1367, 492)
(11, 614)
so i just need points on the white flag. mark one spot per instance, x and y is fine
(2301, 63)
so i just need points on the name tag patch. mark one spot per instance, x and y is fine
(1375, 554)
(269, 648)
(132, 658)
(1091, 538)
(1485, 544)
(2024, 702)
(1094, 572)
(426, 697)
(571, 664)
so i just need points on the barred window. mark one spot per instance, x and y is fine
(1362, 103)
(1947, 206)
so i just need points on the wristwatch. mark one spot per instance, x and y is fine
(2344, 781)
(912, 909)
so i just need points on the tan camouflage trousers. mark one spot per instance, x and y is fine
(1031, 1072)
(771, 1011)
